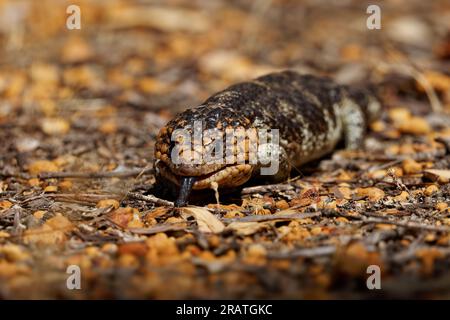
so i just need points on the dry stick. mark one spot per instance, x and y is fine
(70, 197)
(272, 217)
(384, 165)
(304, 252)
(267, 188)
(410, 252)
(277, 187)
(409, 224)
(95, 175)
(150, 198)
(158, 228)
(18, 175)
(404, 224)
(7, 193)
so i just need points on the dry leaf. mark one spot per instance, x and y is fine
(442, 176)
(123, 216)
(206, 221)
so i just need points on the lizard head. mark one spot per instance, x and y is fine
(204, 147)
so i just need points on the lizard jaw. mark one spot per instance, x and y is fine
(225, 177)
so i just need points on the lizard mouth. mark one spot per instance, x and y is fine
(226, 176)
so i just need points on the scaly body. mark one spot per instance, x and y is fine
(311, 113)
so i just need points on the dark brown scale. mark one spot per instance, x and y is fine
(271, 101)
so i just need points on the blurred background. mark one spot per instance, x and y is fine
(168, 54)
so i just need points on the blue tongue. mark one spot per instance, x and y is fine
(185, 190)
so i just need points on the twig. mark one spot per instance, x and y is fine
(70, 197)
(384, 165)
(410, 252)
(267, 188)
(304, 252)
(94, 175)
(405, 224)
(408, 224)
(19, 175)
(272, 217)
(159, 228)
(150, 198)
